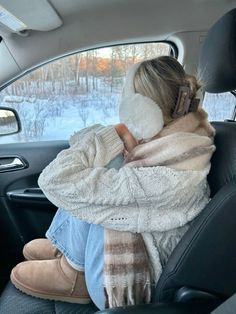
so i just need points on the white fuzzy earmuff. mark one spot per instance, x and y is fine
(142, 116)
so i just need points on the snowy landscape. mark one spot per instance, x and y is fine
(56, 118)
(69, 94)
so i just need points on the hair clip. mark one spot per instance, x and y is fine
(194, 105)
(183, 102)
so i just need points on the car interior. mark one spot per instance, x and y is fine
(200, 275)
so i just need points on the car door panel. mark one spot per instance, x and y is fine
(24, 210)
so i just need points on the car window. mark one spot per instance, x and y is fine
(74, 92)
(219, 106)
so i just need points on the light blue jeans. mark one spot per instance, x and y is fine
(82, 245)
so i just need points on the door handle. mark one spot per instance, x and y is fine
(29, 194)
(8, 163)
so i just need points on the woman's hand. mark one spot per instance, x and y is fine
(128, 139)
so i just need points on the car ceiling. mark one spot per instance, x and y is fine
(58, 27)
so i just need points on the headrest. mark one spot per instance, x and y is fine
(223, 162)
(218, 57)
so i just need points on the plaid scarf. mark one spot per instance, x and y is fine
(183, 144)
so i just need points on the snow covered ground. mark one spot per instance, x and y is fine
(53, 119)
(219, 106)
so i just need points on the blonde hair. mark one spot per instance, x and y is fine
(160, 79)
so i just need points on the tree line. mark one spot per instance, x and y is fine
(84, 72)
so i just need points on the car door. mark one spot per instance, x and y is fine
(25, 212)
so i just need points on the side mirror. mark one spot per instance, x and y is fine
(9, 121)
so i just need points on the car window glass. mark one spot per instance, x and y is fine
(219, 106)
(74, 92)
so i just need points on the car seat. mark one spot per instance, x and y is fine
(203, 265)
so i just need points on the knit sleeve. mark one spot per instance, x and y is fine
(129, 199)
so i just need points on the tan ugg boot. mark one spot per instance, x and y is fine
(51, 279)
(40, 249)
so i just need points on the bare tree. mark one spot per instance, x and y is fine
(83, 110)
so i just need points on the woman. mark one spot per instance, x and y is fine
(130, 218)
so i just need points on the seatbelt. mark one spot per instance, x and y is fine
(228, 307)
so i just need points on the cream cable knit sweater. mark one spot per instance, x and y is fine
(149, 200)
